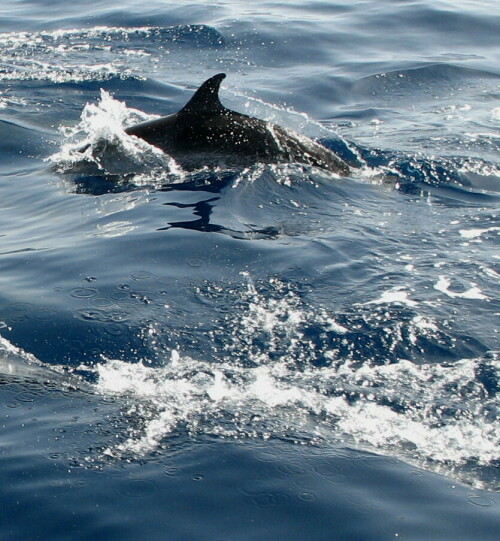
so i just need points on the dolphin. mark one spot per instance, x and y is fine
(205, 133)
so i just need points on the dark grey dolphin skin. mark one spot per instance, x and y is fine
(205, 133)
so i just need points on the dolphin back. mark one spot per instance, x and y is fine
(205, 133)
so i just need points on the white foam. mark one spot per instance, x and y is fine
(275, 400)
(396, 295)
(443, 285)
(476, 233)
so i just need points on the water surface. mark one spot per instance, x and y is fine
(262, 353)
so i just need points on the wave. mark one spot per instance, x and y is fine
(107, 52)
(420, 81)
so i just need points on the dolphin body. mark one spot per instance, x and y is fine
(205, 133)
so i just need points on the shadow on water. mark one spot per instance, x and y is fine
(203, 210)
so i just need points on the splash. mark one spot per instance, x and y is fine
(99, 144)
(264, 384)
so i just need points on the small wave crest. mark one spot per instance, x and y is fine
(15, 362)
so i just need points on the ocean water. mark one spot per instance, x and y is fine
(272, 352)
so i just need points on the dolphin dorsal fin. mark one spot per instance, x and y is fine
(206, 98)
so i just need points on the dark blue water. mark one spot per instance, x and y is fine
(263, 353)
